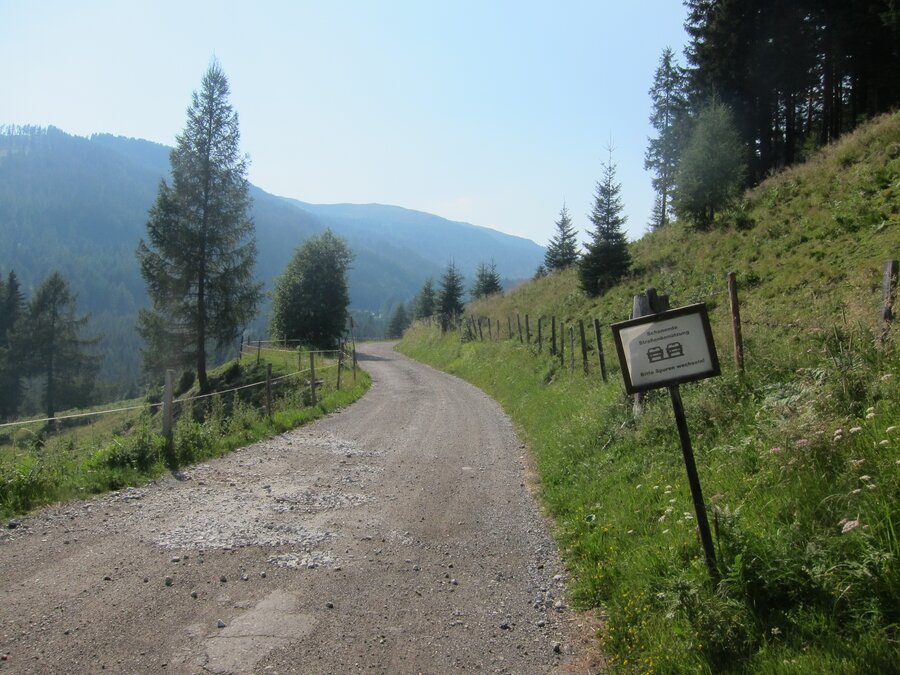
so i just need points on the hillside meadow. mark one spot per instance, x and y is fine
(798, 456)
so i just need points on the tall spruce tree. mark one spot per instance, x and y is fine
(562, 251)
(200, 250)
(606, 258)
(399, 322)
(311, 296)
(669, 105)
(48, 340)
(12, 304)
(487, 281)
(450, 304)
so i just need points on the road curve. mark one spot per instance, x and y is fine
(397, 536)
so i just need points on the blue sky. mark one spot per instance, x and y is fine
(490, 112)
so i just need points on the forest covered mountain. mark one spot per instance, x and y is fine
(79, 205)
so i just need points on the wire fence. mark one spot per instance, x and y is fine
(148, 406)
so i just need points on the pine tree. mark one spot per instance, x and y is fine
(399, 322)
(712, 169)
(562, 251)
(426, 300)
(311, 296)
(12, 304)
(668, 97)
(450, 304)
(487, 281)
(606, 258)
(47, 338)
(199, 257)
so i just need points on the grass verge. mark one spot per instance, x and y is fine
(39, 465)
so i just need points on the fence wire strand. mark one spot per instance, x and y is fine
(151, 406)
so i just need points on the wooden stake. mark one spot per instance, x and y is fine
(553, 336)
(888, 289)
(168, 392)
(312, 376)
(527, 332)
(571, 349)
(519, 324)
(736, 322)
(584, 359)
(269, 390)
(600, 349)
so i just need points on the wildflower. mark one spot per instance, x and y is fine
(838, 432)
(630, 531)
(855, 430)
(775, 450)
(870, 415)
(802, 443)
(666, 531)
(662, 518)
(638, 486)
(869, 411)
(866, 477)
(886, 377)
(884, 442)
(871, 486)
(849, 526)
(857, 462)
(890, 429)
(837, 438)
(856, 491)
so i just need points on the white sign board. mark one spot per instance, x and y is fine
(666, 348)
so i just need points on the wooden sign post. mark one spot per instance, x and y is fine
(665, 350)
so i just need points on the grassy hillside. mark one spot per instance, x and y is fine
(799, 456)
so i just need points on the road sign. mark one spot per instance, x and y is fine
(665, 349)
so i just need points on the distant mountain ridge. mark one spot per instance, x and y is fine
(79, 205)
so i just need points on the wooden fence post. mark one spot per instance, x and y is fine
(571, 349)
(312, 376)
(509, 327)
(584, 358)
(736, 322)
(167, 410)
(354, 361)
(539, 343)
(258, 350)
(498, 330)
(888, 289)
(241, 347)
(519, 324)
(480, 332)
(600, 349)
(490, 332)
(553, 336)
(527, 331)
(562, 343)
(340, 365)
(646, 303)
(269, 390)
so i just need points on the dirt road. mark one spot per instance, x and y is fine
(395, 537)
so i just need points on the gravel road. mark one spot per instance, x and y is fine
(398, 536)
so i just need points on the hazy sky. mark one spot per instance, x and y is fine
(490, 112)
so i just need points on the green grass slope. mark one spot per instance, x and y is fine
(799, 456)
